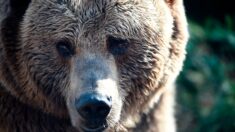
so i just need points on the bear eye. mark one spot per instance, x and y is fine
(117, 46)
(65, 49)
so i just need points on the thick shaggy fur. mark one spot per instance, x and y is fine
(38, 86)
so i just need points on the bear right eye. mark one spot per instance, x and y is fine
(117, 46)
(65, 49)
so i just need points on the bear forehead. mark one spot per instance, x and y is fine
(97, 2)
(100, 6)
(88, 11)
(123, 18)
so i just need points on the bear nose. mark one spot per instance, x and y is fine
(93, 106)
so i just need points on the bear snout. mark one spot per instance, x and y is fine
(93, 108)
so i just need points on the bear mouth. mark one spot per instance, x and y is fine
(94, 128)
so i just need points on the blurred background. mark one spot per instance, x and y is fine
(206, 86)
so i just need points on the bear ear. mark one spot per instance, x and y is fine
(17, 8)
(12, 16)
(180, 34)
(170, 1)
(174, 2)
(13, 8)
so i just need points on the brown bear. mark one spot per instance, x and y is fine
(90, 65)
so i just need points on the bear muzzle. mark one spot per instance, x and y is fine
(93, 108)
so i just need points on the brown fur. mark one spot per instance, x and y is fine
(38, 86)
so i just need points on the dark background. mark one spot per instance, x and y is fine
(206, 86)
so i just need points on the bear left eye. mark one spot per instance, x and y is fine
(117, 46)
(65, 49)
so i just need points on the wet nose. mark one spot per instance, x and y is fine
(93, 106)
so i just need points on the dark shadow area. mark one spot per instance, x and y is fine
(206, 86)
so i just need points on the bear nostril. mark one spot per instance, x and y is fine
(93, 106)
(109, 98)
(103, 111)
(98, 110)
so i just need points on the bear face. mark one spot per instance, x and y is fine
(96, 62)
